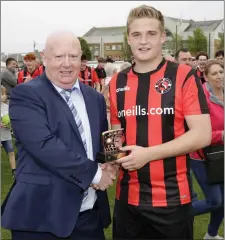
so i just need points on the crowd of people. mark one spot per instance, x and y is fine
(170, 109)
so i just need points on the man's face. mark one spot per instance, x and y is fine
(62, 60)
(185, 58)
(220, 58)
(145, 39)
(83, 65)
(12, 66)
(101, 65)
(30, 64)
(202, 60)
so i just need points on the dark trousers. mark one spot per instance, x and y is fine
(132, 222)
(87, 228)
(214, 198)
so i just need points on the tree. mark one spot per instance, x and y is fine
(85, 48)
(221, 41)
(197, 42)
(126, 48)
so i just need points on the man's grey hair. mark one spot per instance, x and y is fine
(125, 65)
(110, 69)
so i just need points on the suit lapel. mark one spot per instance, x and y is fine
(63, 106)
(91, 111)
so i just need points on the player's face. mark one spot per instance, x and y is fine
(145, 39)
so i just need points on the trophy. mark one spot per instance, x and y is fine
(112, 142)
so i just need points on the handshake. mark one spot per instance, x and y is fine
(109, 174)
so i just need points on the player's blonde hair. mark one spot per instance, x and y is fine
(145, 11)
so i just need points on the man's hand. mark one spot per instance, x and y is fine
(110, 167)
(105, 182)
(109, 172)
(138, 157)
(28, 78)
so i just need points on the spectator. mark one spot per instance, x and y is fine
(30, 70)
(124, 65)
(220, 55)
(100, 70)
(202, 58)
(109, 60)
(214, 194)
(38, 62)
(183, 56)
(6, 137)
(110, 70)
(88, 75)
(194, 63)
(8, 76)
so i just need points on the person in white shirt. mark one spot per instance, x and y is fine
(6, 137)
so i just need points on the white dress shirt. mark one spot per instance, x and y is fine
(79, 103)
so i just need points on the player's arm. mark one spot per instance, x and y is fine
(195, 110)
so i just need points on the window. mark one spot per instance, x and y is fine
(119, 47)
(113, 47)
(96, 47)
(96, 53)
(107, 47)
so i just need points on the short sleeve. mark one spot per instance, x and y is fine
(113, 101)
(193, 96)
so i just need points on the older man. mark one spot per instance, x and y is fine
(58, 136)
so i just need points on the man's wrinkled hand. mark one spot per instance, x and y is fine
(110, 167)
(108, 176)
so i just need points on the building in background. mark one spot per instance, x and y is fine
(109, 41)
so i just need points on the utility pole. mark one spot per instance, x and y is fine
(176, 39)
(34, 45)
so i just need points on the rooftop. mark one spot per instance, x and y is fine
(207, 26)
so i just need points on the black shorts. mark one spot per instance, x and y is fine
(131, 222)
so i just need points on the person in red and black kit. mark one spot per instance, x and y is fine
(30, 71)
(88, 75)
(41, 67)
(100, 70)
(163, 110)
(202, 59)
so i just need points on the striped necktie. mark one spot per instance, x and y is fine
(67, 95)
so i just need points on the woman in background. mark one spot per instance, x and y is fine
(214, 194)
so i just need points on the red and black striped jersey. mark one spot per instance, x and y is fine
(151, 107)
(89, 76)
(201, 75)
(24, 73)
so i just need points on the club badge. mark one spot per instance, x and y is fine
(163, 85)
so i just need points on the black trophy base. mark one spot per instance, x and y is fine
(103, 158)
